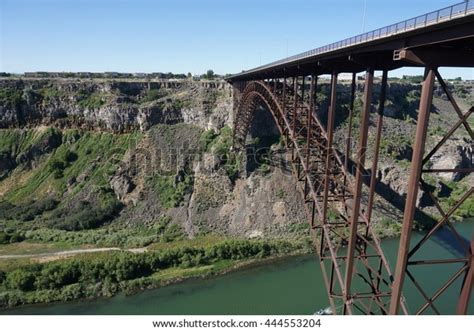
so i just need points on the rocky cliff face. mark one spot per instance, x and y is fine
(136, 153)
(116, 106)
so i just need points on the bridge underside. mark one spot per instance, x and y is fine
(339, 191)
(449, 44)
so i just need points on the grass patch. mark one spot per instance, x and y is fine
(93, 100)
(153, 94)
(171, 194)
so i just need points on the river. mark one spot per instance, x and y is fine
(289, 286)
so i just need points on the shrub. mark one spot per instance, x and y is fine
(57, 275)
(173, 232)
(4, 238)
(11, 97)
(221, 146)
(74, 276)
(171, 194)
(27, 211)
(153, 94)
(70, 157)
(92, 100)
(20, 279)
(85, 214)
(57, 167)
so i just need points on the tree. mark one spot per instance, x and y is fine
(20, 280)
(210, 74)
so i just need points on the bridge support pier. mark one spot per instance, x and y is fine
(360, 162)
(415, 175)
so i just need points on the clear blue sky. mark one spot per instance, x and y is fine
(183, 35)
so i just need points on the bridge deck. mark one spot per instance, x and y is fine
(451, 28)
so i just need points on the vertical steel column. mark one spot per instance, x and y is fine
(466, 291)
(284, 111)
(373, 171)
(302, 103)
(295, 105)
(360, 162)
(330, 133)
(349, 129)
(309, 118)
(413, 183)
(303, 89)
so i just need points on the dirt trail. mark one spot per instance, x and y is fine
(44, 257)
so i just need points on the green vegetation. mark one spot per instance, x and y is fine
(60, 162)
(153, 94)
(209, 74)
(50, 93)
(207, 138)
(78, 154)
(281, 194)
(107, 273)
(171, 193)
(466, 210)
(85, 214)
(391, 146)
(180, 104)
(11, 98)
(417, 79)
(10, 237)
(221, 145)
(19, 142)
(110, 235)
(61, 158)
(437, 130)
(27, 211)
(89, 100)
(387, 228)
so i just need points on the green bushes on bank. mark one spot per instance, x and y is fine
(117, 267)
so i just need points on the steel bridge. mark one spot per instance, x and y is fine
(337, 189)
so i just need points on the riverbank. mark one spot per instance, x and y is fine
(281, 286)
(105, 274)
(92, 273)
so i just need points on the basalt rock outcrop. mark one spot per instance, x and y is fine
(115, 106)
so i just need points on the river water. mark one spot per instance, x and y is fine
(289, 286)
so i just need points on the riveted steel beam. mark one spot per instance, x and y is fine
(362, 148)
(413, 184)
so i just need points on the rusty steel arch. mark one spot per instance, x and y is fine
(254, 94)
(328, 191)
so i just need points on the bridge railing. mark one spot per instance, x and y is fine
(434, 17)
